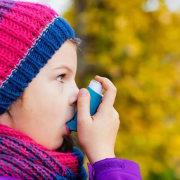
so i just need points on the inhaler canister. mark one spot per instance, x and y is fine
(95, 89)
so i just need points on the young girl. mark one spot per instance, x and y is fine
(38, 93)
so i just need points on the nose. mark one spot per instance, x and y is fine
(74, 95)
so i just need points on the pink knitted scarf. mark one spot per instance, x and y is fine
(23, 158)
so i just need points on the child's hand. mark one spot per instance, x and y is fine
(97, 133)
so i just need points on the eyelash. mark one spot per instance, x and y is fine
(63, 75)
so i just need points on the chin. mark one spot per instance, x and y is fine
(59, 144)
(56, 144)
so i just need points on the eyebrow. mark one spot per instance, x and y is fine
(63, 67)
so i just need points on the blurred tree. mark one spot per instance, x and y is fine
(139, 51)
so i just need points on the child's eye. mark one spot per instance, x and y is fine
(61, 76)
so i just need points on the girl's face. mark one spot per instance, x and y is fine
(49, 100)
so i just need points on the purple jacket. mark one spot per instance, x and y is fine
(114, 169)
(109, 169)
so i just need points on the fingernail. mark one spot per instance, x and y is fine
(83, 92)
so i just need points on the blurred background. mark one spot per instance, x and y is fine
(136, 44)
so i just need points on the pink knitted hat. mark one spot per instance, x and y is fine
(30, 33)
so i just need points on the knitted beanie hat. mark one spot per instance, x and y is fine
(30, 33)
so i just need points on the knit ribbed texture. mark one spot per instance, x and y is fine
(30, 34)
(21, 157)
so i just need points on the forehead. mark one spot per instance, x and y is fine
(65, 56)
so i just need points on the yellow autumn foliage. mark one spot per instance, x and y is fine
(140, 52)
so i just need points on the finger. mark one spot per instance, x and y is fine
(83, 105)
(109, 95)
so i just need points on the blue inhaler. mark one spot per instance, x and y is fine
(95, 89)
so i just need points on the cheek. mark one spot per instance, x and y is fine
(59, 108)
(39, 102)
(52, 105)
(48, 101)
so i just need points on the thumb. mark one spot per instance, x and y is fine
(83, 105)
